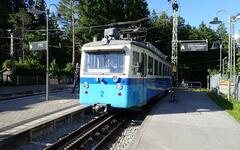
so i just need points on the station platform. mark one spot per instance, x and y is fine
(194, 122)
(22, 114)
(11, 92)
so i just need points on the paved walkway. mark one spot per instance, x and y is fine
(193, 123)
(22, 110)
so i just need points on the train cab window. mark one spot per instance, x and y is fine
(104, 62)
(136, 63)
(155, 67)
(150, 65)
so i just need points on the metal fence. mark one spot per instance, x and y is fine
(30, 80)
(220, 84)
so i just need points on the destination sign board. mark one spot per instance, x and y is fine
(37, 46)
(193, 46)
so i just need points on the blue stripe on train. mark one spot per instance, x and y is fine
(124, 81)
(135, 92)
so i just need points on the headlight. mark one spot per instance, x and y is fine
(115, 79)
(85, 85)
(119, 86)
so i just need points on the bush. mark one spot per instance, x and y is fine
(6, 64)
(54, 69)
(69, 69)
(213, 72)
(29, 66)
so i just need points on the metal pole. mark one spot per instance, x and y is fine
(220, 58)
(234, 61)
(223, 70)
(73, 33)
(229, 57)
(47, 57)
(11, 47)
(224, 65)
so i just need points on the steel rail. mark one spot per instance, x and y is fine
(62, 142)
(107, 137)
(77, 142)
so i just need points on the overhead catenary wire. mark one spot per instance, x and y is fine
(97, 26)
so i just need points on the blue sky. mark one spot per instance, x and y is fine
(195, 11)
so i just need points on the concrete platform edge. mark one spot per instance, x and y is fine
(12, 135)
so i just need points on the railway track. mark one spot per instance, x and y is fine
(92, 135)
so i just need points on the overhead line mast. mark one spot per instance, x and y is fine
(174, 57)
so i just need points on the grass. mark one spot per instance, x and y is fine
(232, 106)
(200, 90)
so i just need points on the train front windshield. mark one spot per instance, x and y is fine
(104, 62)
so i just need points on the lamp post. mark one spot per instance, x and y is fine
(220, 54)
(224, 65)
(234, 19)
(47, 12)
(231, 50)
(216, 21)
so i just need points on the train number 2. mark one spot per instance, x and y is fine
(102, 94)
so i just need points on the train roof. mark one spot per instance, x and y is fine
(145, 45)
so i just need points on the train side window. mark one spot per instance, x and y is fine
(167, 71)
(155, 67)
(141, 68)
(160, 68)
(150, 65)
(163, 70)
(145, 64)
(136, 64)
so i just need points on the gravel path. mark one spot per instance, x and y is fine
(124, 137)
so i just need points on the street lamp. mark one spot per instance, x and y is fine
(36, 11)
(216, 21)
(224, 65)
(231, 50)
(220, 53)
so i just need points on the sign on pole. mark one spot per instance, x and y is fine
(193, 45)
(38, 46)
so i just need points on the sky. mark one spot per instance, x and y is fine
(196, 11)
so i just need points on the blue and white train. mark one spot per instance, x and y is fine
(122, 74)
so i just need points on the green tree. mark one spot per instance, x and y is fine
(68, 69)
(29, 66)
(135, 9)
(21, 20)
(54, 69)
(160, 34)
(101, 12)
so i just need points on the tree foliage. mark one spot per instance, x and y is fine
(54, 69)
(102, 12)
(193, 66)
